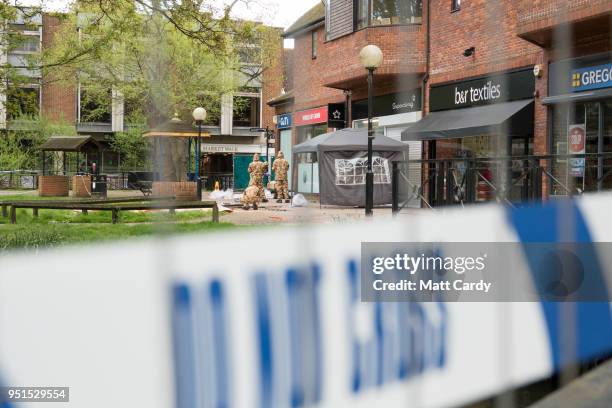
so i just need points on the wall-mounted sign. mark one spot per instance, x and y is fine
(590, 72)
(336, 115)
(311, 116)
(284, 121)
(576, 142)
(483, 91)
(212, 148)
(591, 78)
(390, 104)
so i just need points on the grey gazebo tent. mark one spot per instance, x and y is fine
(342, 163)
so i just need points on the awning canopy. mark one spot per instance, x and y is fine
(68, 143)
(175, 127)
(349, 140)
(593, 95)
(512, 118)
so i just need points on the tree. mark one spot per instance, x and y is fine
(133, 148)
(158, 57)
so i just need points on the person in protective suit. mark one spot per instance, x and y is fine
(281, 184)
(257, 170)
(250, 197)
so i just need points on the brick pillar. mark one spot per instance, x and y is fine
(540, 131)
(53, 186)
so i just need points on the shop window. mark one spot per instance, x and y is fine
(388, 12)
(351, 172)
(580, 174)
(22, 102)
(95, 106)
(363, 124)
(455, 5)
(246, 111)
(305, 133)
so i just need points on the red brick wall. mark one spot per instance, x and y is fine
(272, 83)
(338, 60)
(536, 15)
(53, 186)
(307, 73)
(490, 26)
(58, 97)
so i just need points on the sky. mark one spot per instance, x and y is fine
(280, 13)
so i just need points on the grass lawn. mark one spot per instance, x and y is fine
(59, 227)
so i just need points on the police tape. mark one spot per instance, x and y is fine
(220, 320)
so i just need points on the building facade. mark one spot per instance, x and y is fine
(460, 79)
(225, 154)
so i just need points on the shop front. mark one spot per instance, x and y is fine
(308, 124)
(476, 120)
(392, 114)
(580, 106)
(227, 164)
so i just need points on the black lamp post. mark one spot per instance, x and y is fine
(199, 115)
(371, 57)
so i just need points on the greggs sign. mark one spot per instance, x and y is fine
(311, 116)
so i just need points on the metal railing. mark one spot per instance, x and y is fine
(508, 180)
(19, 179)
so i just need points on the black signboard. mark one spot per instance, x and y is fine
(390, 104)
(485, 90)
(336, 115)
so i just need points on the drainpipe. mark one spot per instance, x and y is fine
(427, 58)
(431, 145)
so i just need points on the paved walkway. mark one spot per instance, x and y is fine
(275, 213)
(271, 212)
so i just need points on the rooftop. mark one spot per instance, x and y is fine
(313, 16)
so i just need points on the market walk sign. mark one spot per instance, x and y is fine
(485, 90)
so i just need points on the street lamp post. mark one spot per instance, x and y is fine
(199, 115)
(269, 133)
(371, 57)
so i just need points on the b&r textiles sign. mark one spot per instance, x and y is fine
(483, 91)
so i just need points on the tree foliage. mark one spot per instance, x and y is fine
(133, 148)
(19, 147)
(160, 57)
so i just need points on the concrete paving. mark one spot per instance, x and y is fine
(271, 213)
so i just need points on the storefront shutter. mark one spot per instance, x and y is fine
(415, 153)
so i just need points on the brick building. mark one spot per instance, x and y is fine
(488, 78)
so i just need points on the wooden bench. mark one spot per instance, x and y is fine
(6, 204)
(115, 208)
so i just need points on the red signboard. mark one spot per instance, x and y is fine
(311, 116)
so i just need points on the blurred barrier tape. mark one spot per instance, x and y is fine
(273, 318)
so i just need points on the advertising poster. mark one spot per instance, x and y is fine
(576, 141)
